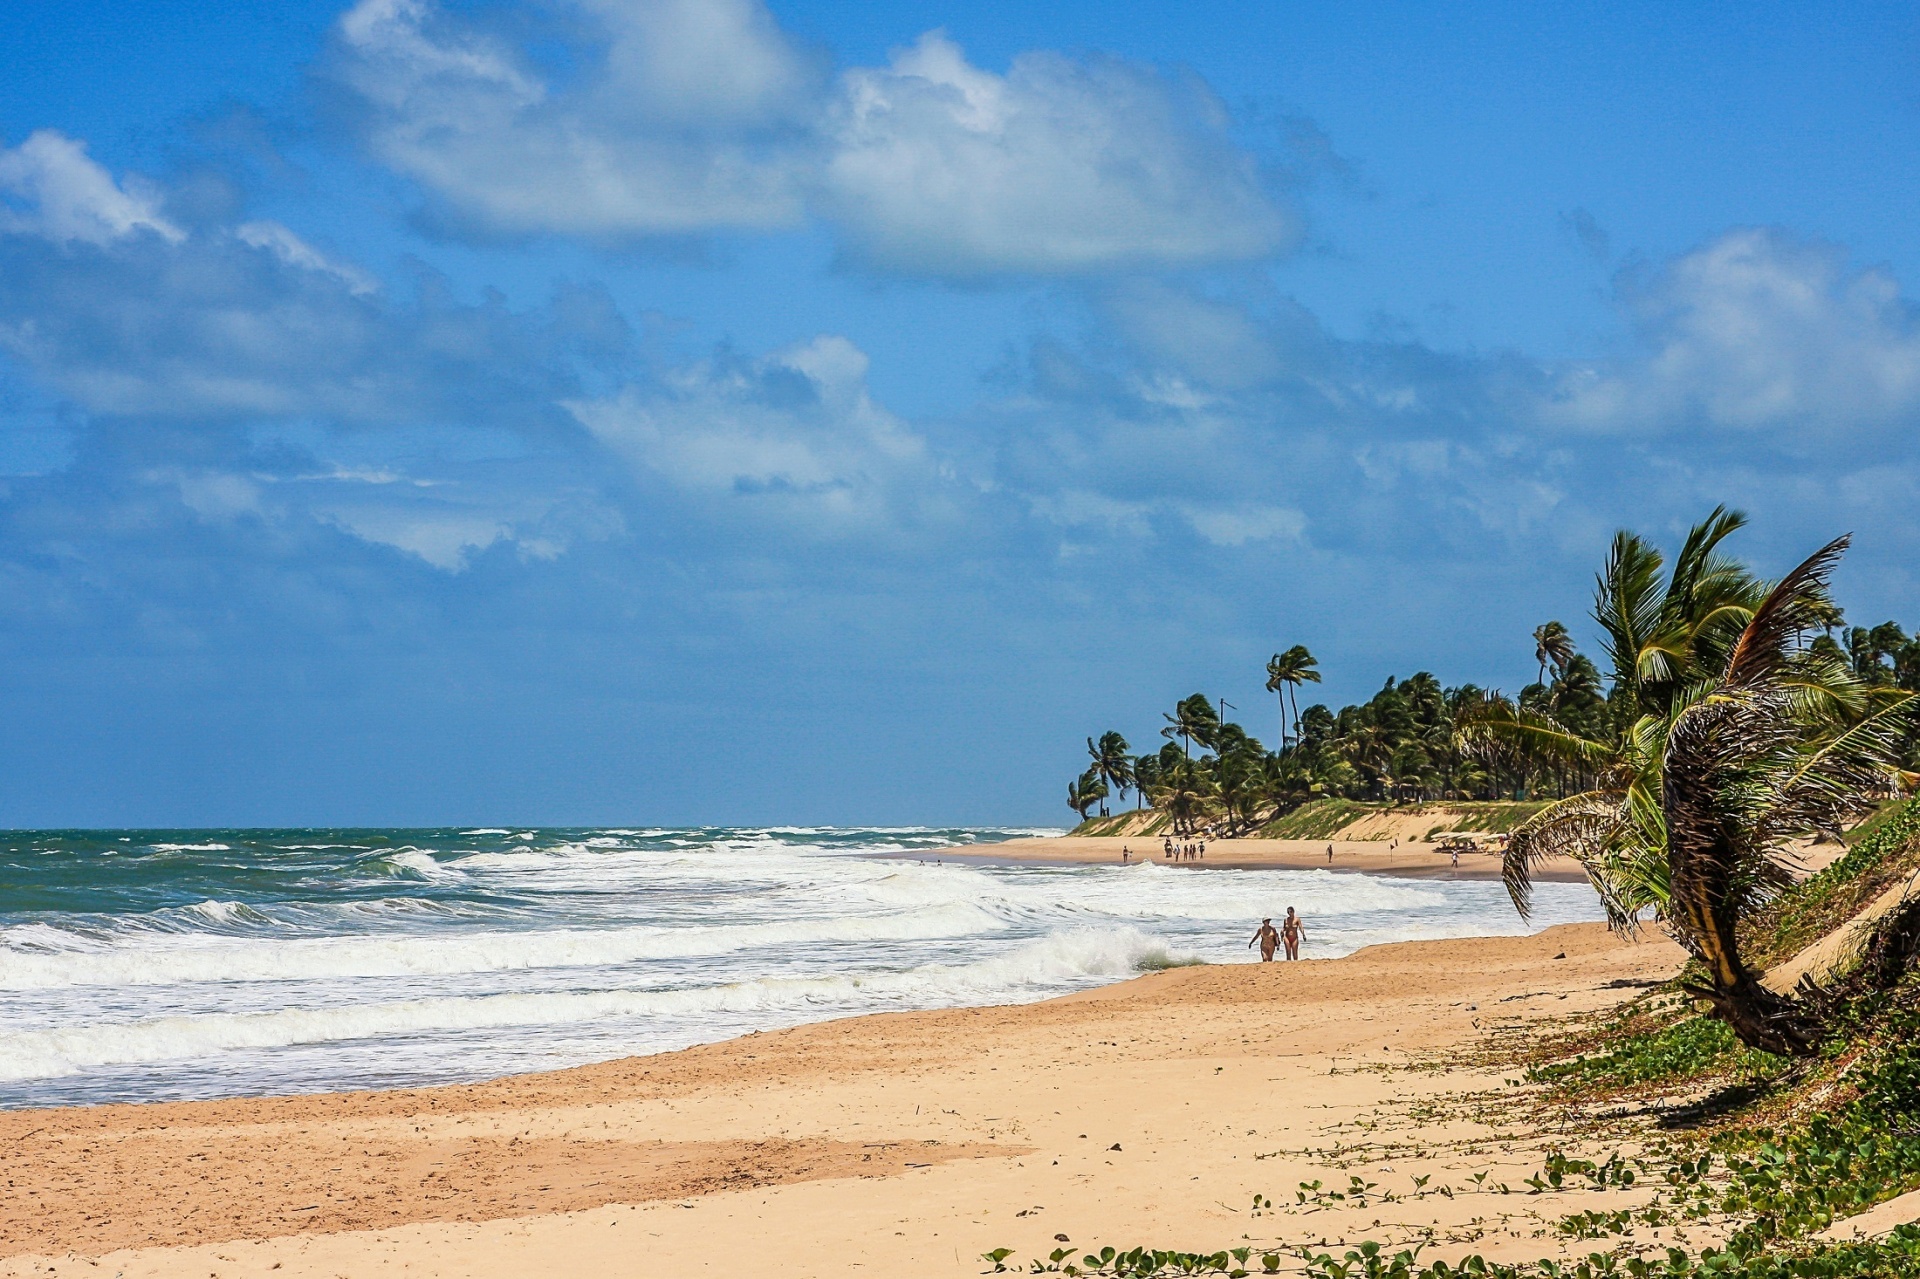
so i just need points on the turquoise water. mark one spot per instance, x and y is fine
(166, 964)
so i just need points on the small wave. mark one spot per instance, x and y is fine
(192, 848)
(1027, 972)
(218, 912)
(412, 863)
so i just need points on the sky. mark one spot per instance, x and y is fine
(627, 412)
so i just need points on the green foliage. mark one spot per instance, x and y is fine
(1691, 1048)
(1819, 904)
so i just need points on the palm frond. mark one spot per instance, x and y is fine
(1790, 610)
(1577, 827)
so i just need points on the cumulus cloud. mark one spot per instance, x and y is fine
(1060, 166)
(50, 187)
(690, 119)
(691, 116)
(1755, 331)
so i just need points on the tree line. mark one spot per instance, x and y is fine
(1417, 740)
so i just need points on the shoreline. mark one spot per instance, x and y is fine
(1413, 859)
(908, 1142)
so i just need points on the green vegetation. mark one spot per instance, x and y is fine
(1726, 736)
(1571, 735)
(1644, 1050)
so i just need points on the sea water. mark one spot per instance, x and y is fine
(150, 965)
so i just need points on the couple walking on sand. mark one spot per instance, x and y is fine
(1290, 932)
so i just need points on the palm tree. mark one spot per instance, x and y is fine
(1662, 637)
(1698, 802)
(1146, 776)
(1287, 671)
(1111, 763)
(1552, 645)
(1084, 792)
(1183, 792)
(1193, 720)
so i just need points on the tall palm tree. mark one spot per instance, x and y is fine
(1699, 801)
(1552, 645)
(1111, 763)
(1146, 776)
(1285, 673)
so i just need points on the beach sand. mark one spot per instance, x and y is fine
(1414, 858)
(1148, 1112)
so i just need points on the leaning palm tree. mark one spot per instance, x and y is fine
(1777, 743)
(1193, 720)
(1084, 792)
(1665, 634)
(1111, 763)
(1286, 672)
(1552, 646)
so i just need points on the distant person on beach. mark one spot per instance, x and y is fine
(1456, 857)
(1292, 930)
(1126, 855)
(1167, 844)
(1268, 939)
(1203, 848)
(1329, 854)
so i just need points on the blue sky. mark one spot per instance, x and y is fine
(633, 411)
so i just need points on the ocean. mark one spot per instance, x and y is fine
(152, 965)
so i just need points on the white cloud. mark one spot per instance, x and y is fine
(1755, 331)
(686, 124)
(795, 433)
(51, 187)
(1238, 524)
(296, 252)
(695, 115)
(1057, 167)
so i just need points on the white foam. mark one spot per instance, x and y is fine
(162, 959)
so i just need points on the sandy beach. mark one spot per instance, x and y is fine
(1413, 858)
(1151, 1111)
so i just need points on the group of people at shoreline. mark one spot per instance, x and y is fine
(1191, 850)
